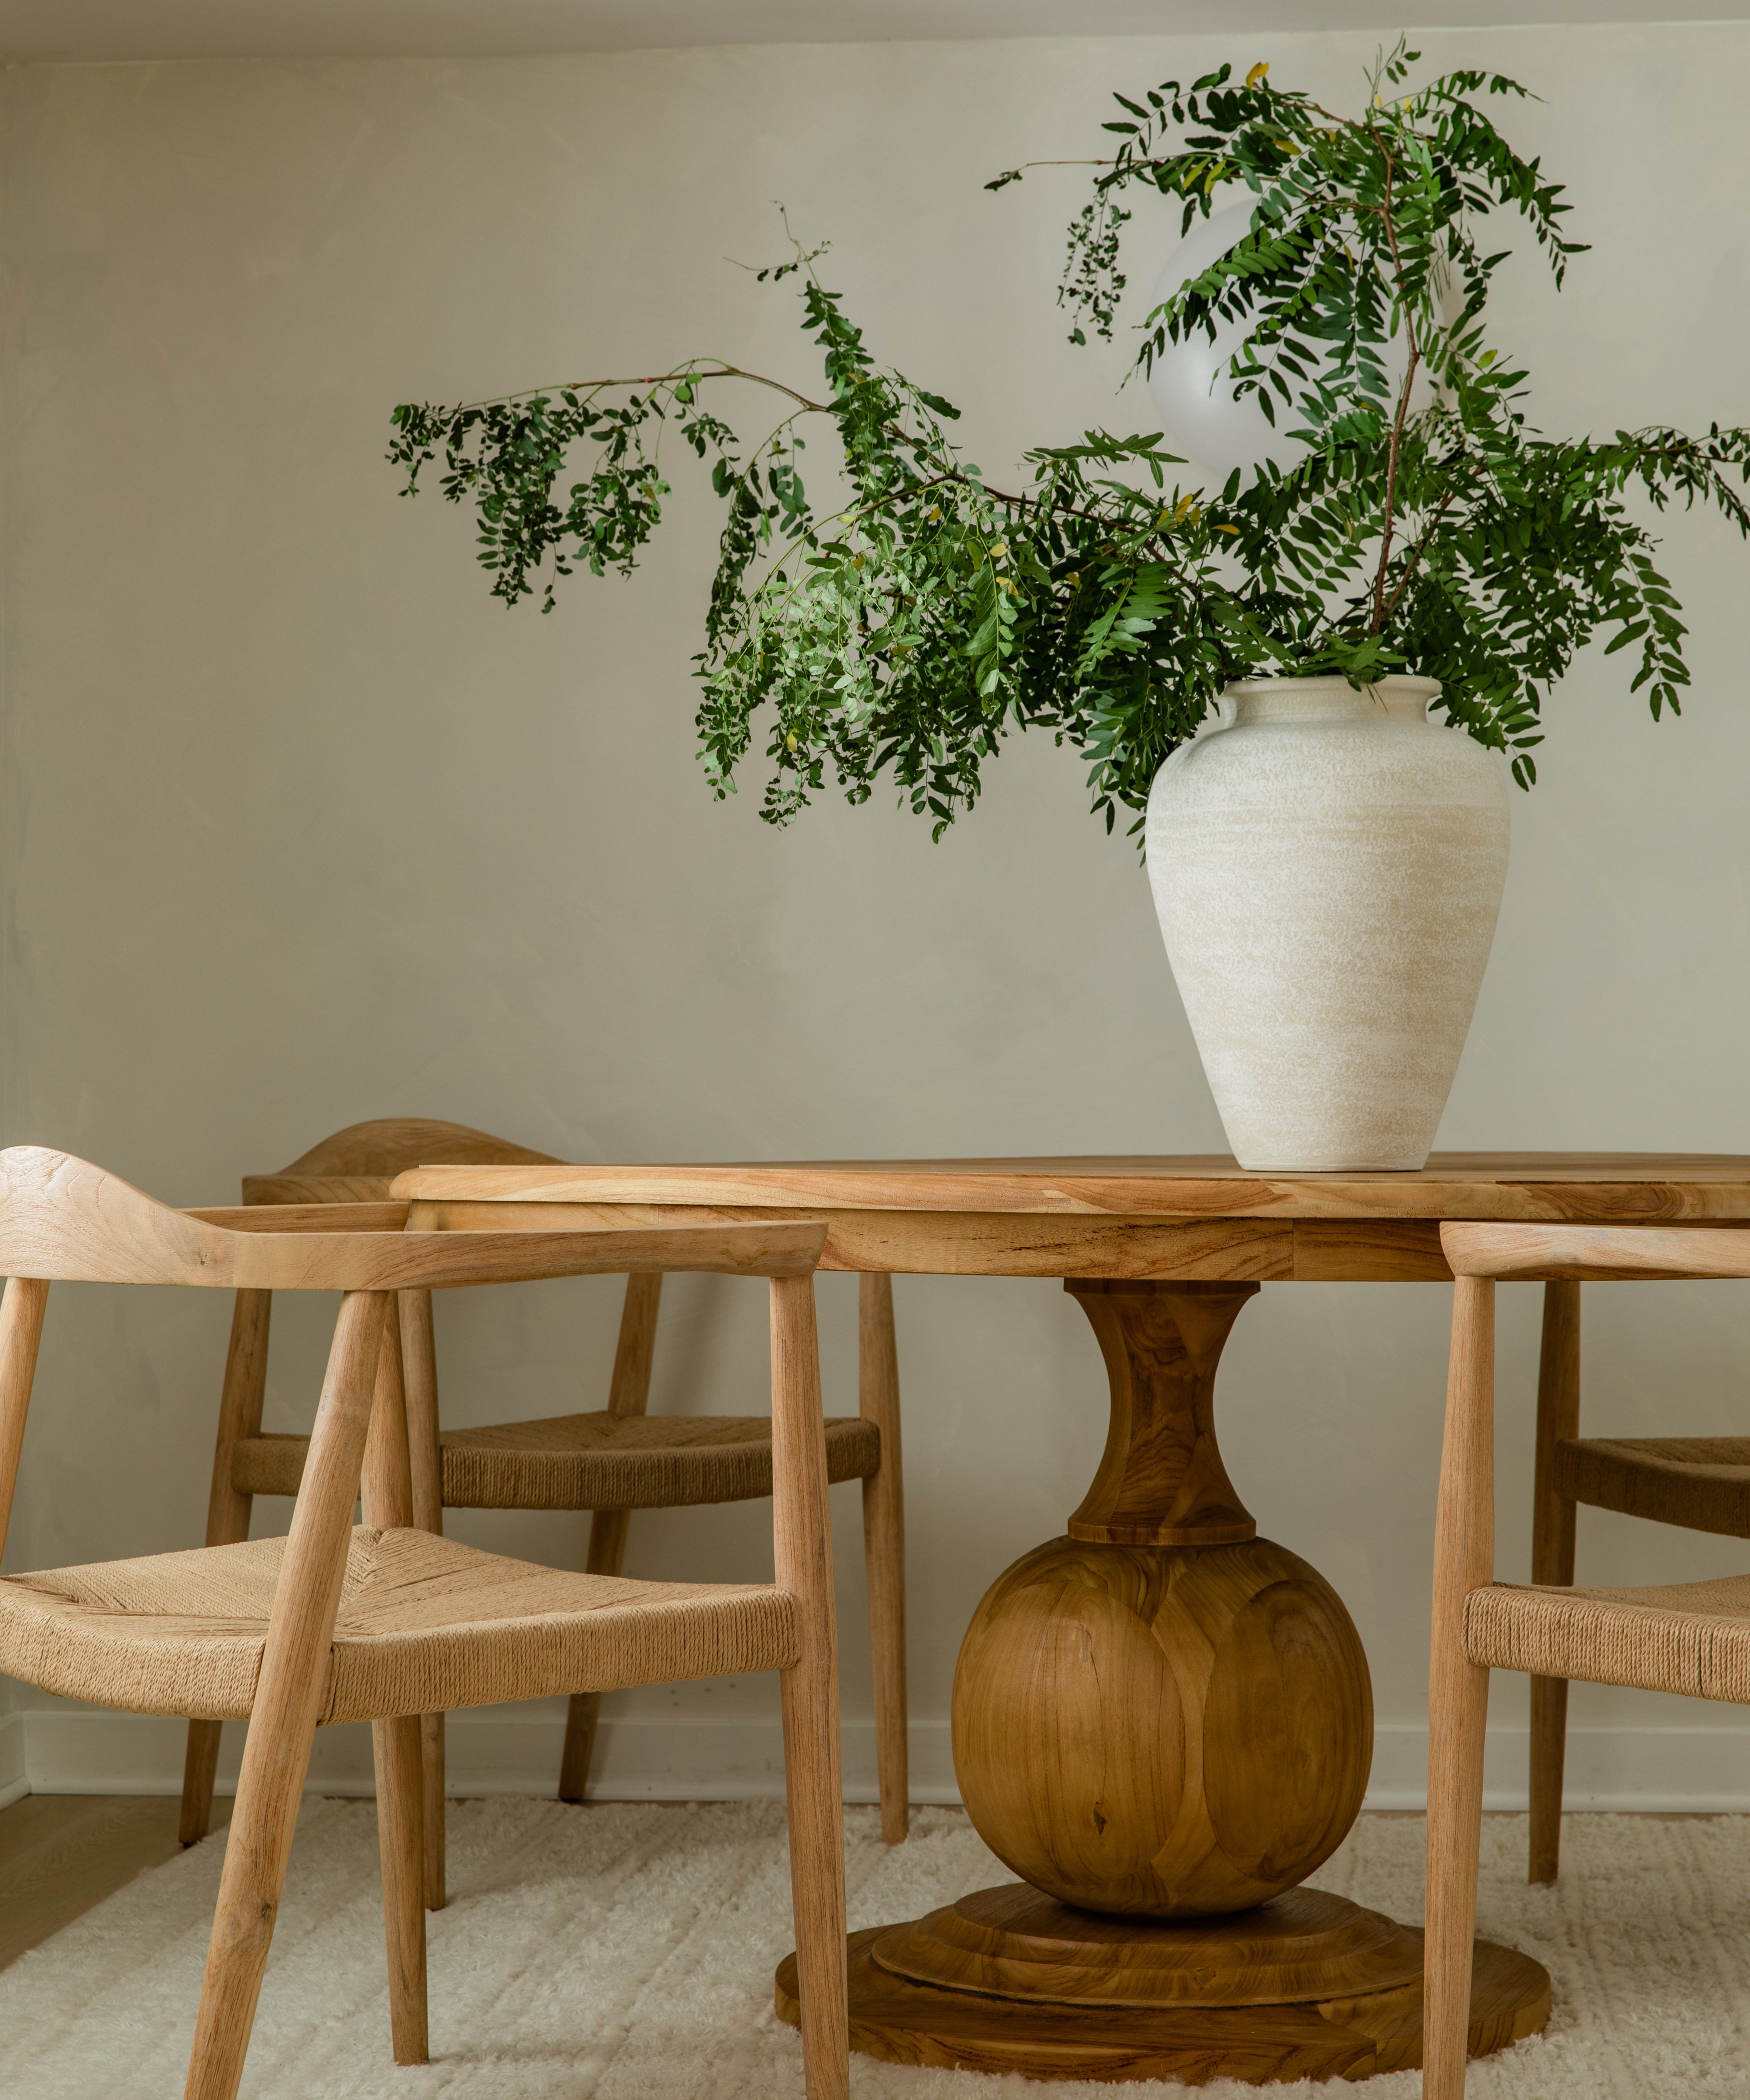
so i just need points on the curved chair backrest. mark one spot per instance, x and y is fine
(357, 1164)
(1539, 1253)
(64, 1220)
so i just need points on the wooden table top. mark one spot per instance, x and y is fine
(1595, 1187)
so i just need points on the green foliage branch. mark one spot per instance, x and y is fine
(1421, 524)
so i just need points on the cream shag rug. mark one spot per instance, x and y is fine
(625, 1953)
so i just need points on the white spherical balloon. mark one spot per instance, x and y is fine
(1191, 386)
(1189, 383)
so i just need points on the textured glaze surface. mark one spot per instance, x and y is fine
(1328, 866)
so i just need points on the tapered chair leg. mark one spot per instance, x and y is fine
(227, 1522)
(400, 1836)
(288, 1700)
(607, 1556)
(628, 1393)
(1464, 1558)
(884, 1550)
(419, 1373)
(1455, 1832)
(802, 1554)
(1552, 1561)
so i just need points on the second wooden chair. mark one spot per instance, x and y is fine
(1695, 1483)
(1690, 1637)
(611, 1461)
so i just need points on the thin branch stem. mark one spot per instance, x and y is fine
(1404, 403)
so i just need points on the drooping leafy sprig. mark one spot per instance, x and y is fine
(1417, 522)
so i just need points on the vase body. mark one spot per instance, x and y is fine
(1328, 867)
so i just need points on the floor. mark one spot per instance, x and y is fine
(61, 1854)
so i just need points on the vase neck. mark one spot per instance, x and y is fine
(1250, 700)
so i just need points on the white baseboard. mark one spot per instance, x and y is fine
(516, 1751)
(1697, 1770)
(504, 1750)
(14, 1784)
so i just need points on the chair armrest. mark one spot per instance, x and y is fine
(1539, 1253)
(442, 1261)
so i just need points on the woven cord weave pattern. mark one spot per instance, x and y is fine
(1692, 1637)
(426, 1625)
(596, 1461)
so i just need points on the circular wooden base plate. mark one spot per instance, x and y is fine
(1016, 1942)
(1153, 2014)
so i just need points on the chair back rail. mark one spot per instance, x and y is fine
(356, 1165)
(1529, 1254)
(320, 1215)
(386, 1147)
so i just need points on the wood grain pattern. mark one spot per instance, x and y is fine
(1012, 1942)
(934, 1242)
(884, 1549)
(334, 1214)
(628, 1394)
(1348, 2038)
(1161, 1480)
(1535, 1253)
(21, 1315)
(62, 1218)
(1370, 1250)
(802, 1558)
(1552, 1561)
(1608, 1187)
(1464, 1560)
(1161, 1731)
(283, 1721)
(419, 1384)
(227, 1519)
(387, 1144)
(385, 1493)
(400, 1839)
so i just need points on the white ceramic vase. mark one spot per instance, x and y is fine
(1328, 866)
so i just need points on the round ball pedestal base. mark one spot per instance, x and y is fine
(1165, 1724)
(1348, 2034)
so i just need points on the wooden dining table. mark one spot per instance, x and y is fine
(1163, 1723)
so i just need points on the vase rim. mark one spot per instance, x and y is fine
(1395, 682)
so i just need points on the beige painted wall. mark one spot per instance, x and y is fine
(300, 826)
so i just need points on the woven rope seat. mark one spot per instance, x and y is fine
(1702, 1483)
(423, 1626)
(1690, 1637)
(594, 1461)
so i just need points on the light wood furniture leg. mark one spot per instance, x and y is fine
(288, 1699)
(21, 1312)
(419, 1383)
(628, 1393)
(884, 1549)
(227, 1521)
(802, 1543)
(1464, 1560)
(1553, 1517)
(387, 1495)
(400, 1840)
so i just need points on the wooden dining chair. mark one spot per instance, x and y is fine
(611, 1461)
(386, 1621)
(1695, 1483)
(1691, 1638)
